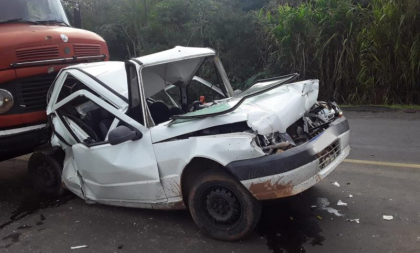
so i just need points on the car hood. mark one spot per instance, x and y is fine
(268, 111)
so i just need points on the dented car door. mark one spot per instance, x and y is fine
(108, 173)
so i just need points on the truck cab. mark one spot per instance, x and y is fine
(36, 42)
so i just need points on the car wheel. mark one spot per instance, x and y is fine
(45, 175)
(222, 207)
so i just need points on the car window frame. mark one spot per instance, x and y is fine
(117, 113)
(115, 105)
(147, 116)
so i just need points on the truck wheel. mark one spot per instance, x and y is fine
(45, 175)
(222, 207)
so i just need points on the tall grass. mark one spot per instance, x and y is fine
(390, 52)
(361, 54)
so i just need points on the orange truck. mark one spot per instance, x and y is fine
(36, 42)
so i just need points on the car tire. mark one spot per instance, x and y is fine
(45, 175)
(222, 208)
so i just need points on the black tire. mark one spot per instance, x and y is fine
(222, 208)
(45, 175)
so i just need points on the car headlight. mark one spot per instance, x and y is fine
(6, 101)
(275, 142)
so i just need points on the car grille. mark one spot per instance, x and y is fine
(328, 155)
(37, 54)
(86, 50)
(32, 95)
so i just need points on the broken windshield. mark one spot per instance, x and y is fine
(231, 104)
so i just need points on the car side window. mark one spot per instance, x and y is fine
(86, 120)
(136, 110)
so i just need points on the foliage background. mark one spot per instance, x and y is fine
(363, 51)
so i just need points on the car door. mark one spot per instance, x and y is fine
(117, 174)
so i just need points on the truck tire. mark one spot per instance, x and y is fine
(221, 206)
(45, 174)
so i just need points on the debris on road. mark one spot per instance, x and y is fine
(323, 204)
(388, 217)
(120, 246)
(319, 217)
(354, 220)
(336, 184)
(313, 207)
(350, 196)
(79, 247)
(341, 203)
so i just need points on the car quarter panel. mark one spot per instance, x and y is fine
(173, 156)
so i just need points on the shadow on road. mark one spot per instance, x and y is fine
(288, 225)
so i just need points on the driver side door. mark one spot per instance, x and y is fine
(123, 174)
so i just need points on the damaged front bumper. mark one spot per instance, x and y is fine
(295, 170)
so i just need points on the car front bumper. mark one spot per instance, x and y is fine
(295, 170)
(22, 141)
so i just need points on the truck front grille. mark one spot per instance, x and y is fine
(328, 155)
(32, 92)
(86, 50)
(37, 54)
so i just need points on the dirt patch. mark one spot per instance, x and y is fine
(271, 190)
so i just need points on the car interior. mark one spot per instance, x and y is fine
(163, 86)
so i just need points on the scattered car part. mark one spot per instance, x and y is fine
(388, 217)
(354, 220)
(341, 203)
(79, 247)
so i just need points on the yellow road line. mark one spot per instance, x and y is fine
(405, 165)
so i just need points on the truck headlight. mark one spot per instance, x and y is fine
(6, 101)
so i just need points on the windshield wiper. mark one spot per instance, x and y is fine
(56, 21)
(19, 20)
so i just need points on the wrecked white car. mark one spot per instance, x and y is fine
(166, 131)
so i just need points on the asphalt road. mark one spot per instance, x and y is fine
(29, 223)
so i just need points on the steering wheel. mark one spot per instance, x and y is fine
(194, 106)
(85, 127)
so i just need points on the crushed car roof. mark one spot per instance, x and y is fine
(175, 54)
(113, 73)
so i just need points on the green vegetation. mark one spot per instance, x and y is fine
(363, 52)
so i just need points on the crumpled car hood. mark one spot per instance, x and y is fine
(269, 112)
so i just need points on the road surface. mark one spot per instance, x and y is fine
(382, 174)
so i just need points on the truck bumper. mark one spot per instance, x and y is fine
(22, 141)
(295, 170)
